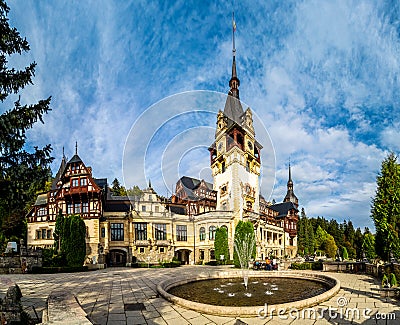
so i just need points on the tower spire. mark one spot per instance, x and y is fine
(234, 83)
(76, 147)
(290, 196)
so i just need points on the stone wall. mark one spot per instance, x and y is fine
(22, 262)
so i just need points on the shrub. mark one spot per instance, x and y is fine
(316, 266)
(62, 269)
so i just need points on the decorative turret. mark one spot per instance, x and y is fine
(290, 196)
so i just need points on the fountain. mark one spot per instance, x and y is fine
(220, 291)
(244, 249)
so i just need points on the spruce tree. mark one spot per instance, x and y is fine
(22, 173)
(386, 208)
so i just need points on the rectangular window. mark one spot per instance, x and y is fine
(160, 231)
(141, 250)
(83, 181)
(77, 207)
(181, 233)
(162, 249)
(143, 208)
(85, 207)
(140, 231)
(44, 233)
(212, 254)
(48, 233)
(42, 212)
(157, 208)
(70, 208)
(202, 254)
(38, 234)
(103, 232)
(75, 182)
(117, 231)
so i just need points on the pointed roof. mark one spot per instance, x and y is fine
(75, 159)
(290, 175)
(233, 108)
(59, 172)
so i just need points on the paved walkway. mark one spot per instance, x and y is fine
(103, 294)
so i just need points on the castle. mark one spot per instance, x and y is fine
(149, 228)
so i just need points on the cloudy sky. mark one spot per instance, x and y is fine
(322, 76)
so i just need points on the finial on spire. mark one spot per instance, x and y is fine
(149, 183)
(63, 153)
(76, 147)
(290, 172)
(234, 83)
(233, 34)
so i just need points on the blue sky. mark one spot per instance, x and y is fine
(322, 76)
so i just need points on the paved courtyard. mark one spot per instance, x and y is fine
(103, 294)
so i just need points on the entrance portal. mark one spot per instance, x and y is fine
(182, 255)
(117, 258)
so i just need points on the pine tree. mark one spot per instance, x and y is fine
(310, 238)
(358, 241)
(301, 233)
(221, 243)
(386, 209)
(117, 189)
(22, 173)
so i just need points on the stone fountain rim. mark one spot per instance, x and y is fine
(249, 311)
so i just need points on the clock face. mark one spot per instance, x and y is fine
(250, 145)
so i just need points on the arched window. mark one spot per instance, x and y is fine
(226, 228)
(211, 232)
(202, 233)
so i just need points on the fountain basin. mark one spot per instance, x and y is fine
(164, 286)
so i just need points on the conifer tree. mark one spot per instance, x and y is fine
(386, 209)
(22, 173)
(221, 246)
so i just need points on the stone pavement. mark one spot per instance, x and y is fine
(128, 296)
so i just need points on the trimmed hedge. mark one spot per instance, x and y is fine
(59, 269)
(307, 266)
(157, 265)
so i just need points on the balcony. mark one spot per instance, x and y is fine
(162, 242)
(145, 242)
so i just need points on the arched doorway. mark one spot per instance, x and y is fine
(117, 257)
(182, 255)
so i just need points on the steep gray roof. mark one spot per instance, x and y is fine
(233, 109)
(283, 208)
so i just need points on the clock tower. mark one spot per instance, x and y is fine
(235, 154)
